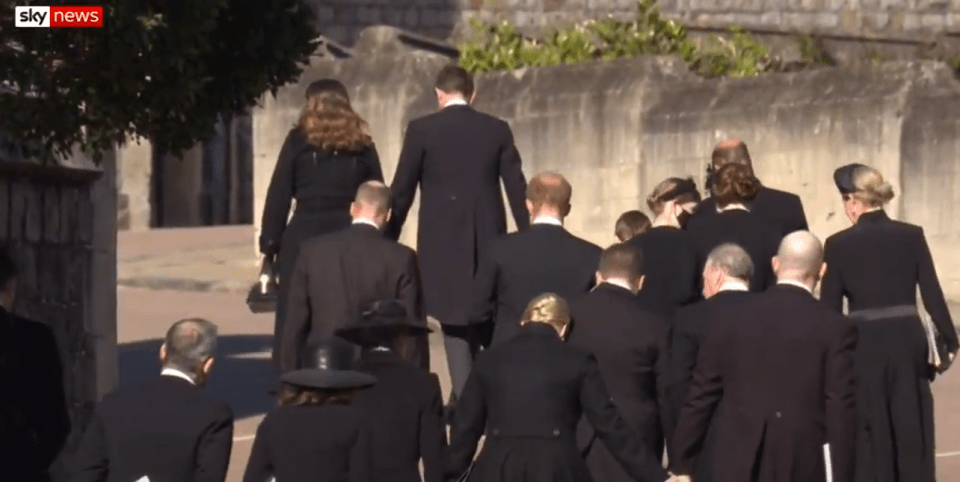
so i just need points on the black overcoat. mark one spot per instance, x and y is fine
(669, 266)
(745, 229)
(781, 210)
(457, 157)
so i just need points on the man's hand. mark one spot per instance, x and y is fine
(680, 478)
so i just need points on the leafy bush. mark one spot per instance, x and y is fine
(954, 63)
(740, 56)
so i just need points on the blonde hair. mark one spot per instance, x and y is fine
(670, 190)
(548, 308)
(870, 187)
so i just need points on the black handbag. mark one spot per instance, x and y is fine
(262, 297)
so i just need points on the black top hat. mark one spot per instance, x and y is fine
(333, 369)
(380, 323)
(843, 177)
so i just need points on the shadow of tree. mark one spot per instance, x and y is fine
(242, 372)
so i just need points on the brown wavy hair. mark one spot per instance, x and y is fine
(329, 121)
(735, 183)
(668, 190)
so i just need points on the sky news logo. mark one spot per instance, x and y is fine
(69, 17)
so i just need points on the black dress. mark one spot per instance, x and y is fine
(669, 269)
(878, 263)
(323, 184)
(328, 443)
(756, 236)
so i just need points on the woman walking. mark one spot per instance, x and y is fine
(877, 264)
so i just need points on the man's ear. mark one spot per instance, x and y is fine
(473, 96)
(207, 366)
(388, 216)
(598, 277)
(775, 263)
(823, 270)
(565, 211)
(354, 209)
(530, 207)
(163, 353)
(640, 283)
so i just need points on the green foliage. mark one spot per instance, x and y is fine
(876, 57)
(739, 56)
(157, 69)
(813, 51)
(954, 63)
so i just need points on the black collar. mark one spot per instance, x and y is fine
(786, 288)
(873, 217)
(539, 330)
(365, 228)
(614, 289)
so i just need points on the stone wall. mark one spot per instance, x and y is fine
(616, 129)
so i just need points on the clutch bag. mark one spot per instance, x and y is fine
(262, 297)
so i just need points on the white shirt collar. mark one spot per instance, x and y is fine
(548, 220)
(734, 285)
(873, 210)
(731, 207)
(795, 283)
(457, 101)
(365, 221)
(616, 282)
(173, 372)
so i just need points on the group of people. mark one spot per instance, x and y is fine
(697, 335)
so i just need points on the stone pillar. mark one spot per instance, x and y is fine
(182, 189)
(102, 291)
(134, 162)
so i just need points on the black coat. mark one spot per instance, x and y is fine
(528, 395)
(34, 422)
(166, 429)
(671, 279)
(781, 210)
(521, 266)
(406, 411)
(777, 382)
(457, 156)
(329, 443)
(629, 344)
(339, 275)
(745, 229)
(686, 336)
(879, 263)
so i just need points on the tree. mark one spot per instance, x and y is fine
(158, 69)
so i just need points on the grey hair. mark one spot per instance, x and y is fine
(190, 343)
(732, 260)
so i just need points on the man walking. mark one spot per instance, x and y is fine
(457, 157)
(784, 374)
(338, 275)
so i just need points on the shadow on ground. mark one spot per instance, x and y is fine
(242, 371)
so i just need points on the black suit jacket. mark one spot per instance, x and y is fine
(880, 262)
(686, 335)
(34, 422)
(629, 344)
(783, 211)
(406, 411)
(528, 394)
(457, 156)
(166, 429)
(780, 378)
(671, 278)
(745, 229)
(337, 276)
(521, 266)
(329, 443)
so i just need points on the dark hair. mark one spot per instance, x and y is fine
(735, 184)
(621, 261)
(190, 342)
(731, 152)
(295, 396)
(329, 121)
(682, 191)
(454, 79)
(630, 224)
(549, 189)
(8, 269)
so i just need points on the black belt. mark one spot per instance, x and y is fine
(885, 313)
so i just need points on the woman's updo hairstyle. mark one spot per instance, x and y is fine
(548, 308)
(871, 189)
(681, 191)
(735, 183)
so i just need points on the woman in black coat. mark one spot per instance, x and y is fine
(315, 435)
(734, 188)
(323, 161)
(877, 264)
(669, 255)
(528, 395)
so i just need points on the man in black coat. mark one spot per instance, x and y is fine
(167, 429)
(405, 406)
(782, 375)
(457, 156)
(34, 422)
(339, 274)
(544, 258)
(781, 210)
(630, 346)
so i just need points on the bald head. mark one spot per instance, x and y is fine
(731, 151)
(548, 194)
(800, 258)
(189, 346)
(372, 203)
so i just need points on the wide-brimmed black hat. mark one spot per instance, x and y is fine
(333, 369)
(380, 323)
(843, 178)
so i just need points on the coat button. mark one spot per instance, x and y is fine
(496, 431)
(453, 198)
(779, 415)
(556, 432)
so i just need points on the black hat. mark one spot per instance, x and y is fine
(333, 369)
(381, 322)
(843, 177)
